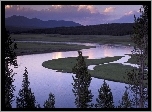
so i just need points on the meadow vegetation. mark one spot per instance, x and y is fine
(101, 39)
(37, 48)
(133, 59)
(112, 71)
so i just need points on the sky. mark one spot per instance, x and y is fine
(83, 14)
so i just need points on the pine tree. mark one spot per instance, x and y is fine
(10, 59)
(10, 46)
(126, 102)
(26, 98)
(50, 102)
(9, 88)
(81, 83)
(138, 76)
(105, 97)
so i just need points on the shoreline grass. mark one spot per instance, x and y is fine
(112, 71)
(39, 48)
(100, 39)
(59, 64)
(133, 59)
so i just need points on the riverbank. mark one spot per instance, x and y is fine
(100, 39)
(112, 71)
(133, 59)
(39, 48)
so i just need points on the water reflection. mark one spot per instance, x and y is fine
(57, 55)
(108, 52)
(43, 80)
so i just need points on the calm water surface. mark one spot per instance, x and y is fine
(43, 80)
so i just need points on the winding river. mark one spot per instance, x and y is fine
(43, 80)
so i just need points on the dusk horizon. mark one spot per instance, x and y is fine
(82, 14)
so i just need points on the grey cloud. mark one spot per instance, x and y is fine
(129, 18)
(69, 12)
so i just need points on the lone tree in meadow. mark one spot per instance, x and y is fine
(105, 97)
(81, 83)
(138, 78)
(26, 98)
(10, 59)
(50, 102)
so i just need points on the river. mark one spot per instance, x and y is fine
(43, 80)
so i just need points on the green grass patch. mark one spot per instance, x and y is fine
(37, 48)
(66, 64)
(133, 59)
(112, 71)
(102, 60)
(101, 39)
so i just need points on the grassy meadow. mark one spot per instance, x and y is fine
(133, 59)
(59, 64)
(112, 71)
(37, 48)
(101, 39)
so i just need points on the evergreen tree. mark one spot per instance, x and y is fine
(139, 76)
(126, 102)
(10, 59)
(50, 102)
(81, 83)
(105, 97)
(26, 98)
(9, 88)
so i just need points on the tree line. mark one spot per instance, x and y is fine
(82, 79)
(114, 29)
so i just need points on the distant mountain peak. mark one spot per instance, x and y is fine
(24, 22)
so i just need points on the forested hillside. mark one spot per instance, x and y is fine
(115, 29)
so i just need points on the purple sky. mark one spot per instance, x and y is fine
(83, 14)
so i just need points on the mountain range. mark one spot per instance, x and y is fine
(25, 23)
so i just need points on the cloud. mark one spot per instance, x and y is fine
(8, 6)
(83, 14)
(130, 12)
(91, 8)
(127, 17)
(109, 9)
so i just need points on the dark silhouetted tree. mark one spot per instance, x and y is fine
(10, 59)
(50, 102)
(26, 98)
(126, 102)
(138, 78)
(81, 83)
(105, 97)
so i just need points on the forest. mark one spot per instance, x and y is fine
(114, 29)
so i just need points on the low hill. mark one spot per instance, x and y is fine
(26, 23)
